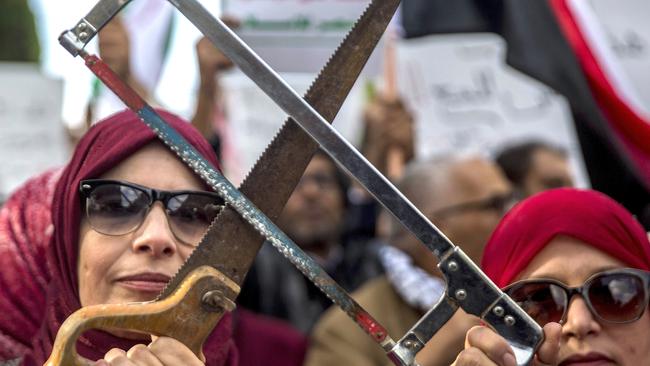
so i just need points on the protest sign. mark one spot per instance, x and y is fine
(296, 35)
(32, 135)
(466, 99)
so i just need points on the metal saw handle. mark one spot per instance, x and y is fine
(476, 294)
(470, 289)
(78, 36)
(188, 315)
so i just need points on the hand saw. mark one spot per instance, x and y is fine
(497, 310)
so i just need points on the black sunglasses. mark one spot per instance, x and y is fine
(615, 296)
(116, 208)
(498, 202)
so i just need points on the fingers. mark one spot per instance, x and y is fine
(231, 22)
(210, 57)
(172, 352)
(163, 351)
(549, 350)
(388, 127)
(138, 355)
(473, 357)
(393, 119)
(484, 347)
(388, 119)
(142, 355)
(116, 357)
(491, 344)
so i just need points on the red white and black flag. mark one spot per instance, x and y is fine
(559, 43)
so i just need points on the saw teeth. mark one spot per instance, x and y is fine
(363, 15)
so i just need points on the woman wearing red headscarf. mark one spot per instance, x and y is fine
(577, 258)
(120, 234)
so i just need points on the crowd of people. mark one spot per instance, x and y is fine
(111, 227)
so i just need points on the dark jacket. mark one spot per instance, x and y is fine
(275, 287)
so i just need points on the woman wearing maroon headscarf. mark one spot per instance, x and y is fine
(120, 212)
(577, 258)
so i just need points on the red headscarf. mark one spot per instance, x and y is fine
(104, 146)
(586, 215)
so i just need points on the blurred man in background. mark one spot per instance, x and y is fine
(314, 218)
(535, 166)
(465, 198)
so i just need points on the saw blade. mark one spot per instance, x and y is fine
(230, 244)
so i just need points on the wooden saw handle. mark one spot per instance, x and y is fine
(188, 315)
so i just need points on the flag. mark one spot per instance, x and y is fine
(551, 41)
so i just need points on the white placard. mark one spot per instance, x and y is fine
(32, 135)
(466, 99)
(295, 17)
(296, 35)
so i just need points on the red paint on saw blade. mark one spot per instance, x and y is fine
(371, 326)
(113, 82)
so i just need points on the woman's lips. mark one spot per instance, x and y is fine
(590, 359)
(145, 282)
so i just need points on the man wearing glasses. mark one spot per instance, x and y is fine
(463, 196)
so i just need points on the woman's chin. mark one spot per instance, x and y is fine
(127, 295)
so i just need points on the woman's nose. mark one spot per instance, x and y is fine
(580, 322)
(154, 236)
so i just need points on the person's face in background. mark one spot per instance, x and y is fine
(466, 206)
(136, 266)
(313, 216)
(548, 170)
(586, 340)
(471, 205)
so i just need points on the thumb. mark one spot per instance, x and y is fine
(547, 355)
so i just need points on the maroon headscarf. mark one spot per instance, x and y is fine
(25, 232)
(586, 215)
(103, 147)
